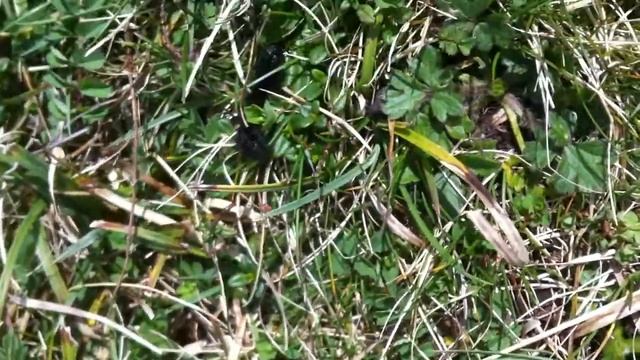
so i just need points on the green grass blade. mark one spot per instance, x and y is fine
(329, 187)
(22, 234)
(424, 229)
(84, 242)
(50, 269)
(168, 239)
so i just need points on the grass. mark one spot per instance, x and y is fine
(448, 179)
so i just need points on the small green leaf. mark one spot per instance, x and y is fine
(366, 14)
(188, 290)
(388, 4)
(339, 266)
(471, 8)
(456, 37)
(241, 279)
(95, 88)
(4, 64)
(482, 37)
(560, 131)
(403, 96)
(364, 269)
(428, 68)
(56, 58)
(482, 165)
(254, 115)
(12, 347)
(265, 350)
(55, 80)
(93, 61)
(300, 121)
(408, 177)
(317, 54)
(535, 152)
(582, 168)
(444, 103)
(347, 245)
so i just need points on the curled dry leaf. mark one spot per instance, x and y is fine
(395, 225)
(493, 236)
(226, 207)
(126, 205)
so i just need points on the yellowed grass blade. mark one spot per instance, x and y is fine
(512, 242)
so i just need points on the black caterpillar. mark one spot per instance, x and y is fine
(250, 139)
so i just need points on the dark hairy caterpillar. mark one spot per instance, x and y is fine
(250, 140)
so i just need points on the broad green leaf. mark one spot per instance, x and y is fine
(408, 177)
(300, 121)
(582, 168)
(55, 58)
(188, 290)
(403, 96)
(339, 266)
(444, 103)
(560, 132)
(459, 127)
(535, 152)
(317, 55)
(95, 88)
(55, 80)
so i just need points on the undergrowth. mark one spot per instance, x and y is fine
(334, 179)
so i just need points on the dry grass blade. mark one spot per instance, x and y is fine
(585, 324)
(224, 15)
(126, 205)
(395, 225)
(609, 313)
(494, 238)
(68, 310)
